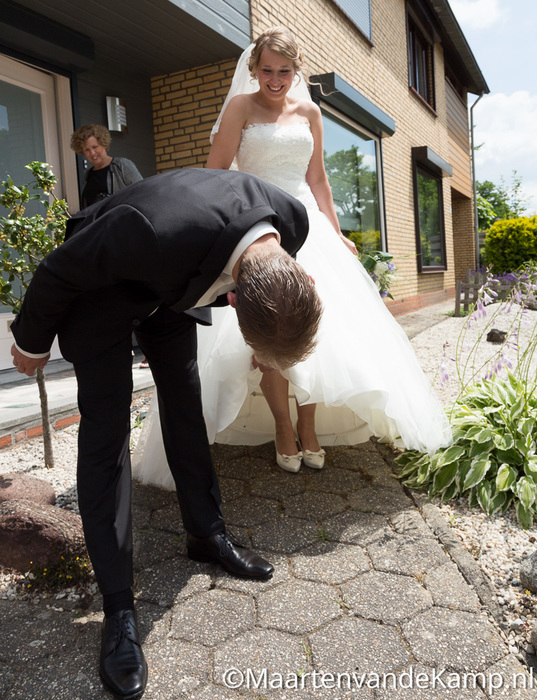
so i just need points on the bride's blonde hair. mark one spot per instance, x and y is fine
(281, 41)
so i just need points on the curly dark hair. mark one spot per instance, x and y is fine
(81, 135)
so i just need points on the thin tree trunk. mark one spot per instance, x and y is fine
(47, 433)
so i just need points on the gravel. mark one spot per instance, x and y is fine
(497, 543)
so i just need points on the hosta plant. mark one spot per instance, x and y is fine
(493, 458)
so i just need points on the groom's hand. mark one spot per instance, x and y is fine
(27, 365)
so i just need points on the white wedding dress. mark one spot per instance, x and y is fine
(363, 375)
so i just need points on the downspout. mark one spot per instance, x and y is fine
(476, 222)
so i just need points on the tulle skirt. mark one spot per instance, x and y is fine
(363, 376)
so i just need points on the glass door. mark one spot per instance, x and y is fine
(28, 131)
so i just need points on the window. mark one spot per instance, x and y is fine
(352, 159)
(359, 11)
(429, 220)
(420, 63)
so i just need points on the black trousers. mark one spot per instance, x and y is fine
(169, 343)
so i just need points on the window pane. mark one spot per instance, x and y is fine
(432, 249)
(21, 141)
(351, 165)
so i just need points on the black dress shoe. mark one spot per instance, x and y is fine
(123, 667)
(233, 556)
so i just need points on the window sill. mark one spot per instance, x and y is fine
(423, 102)
(432, 270)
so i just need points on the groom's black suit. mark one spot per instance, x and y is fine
(156, 245)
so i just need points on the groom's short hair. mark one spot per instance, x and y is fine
(278, 308)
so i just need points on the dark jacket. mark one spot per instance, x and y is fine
(121, 173)
(163, 240)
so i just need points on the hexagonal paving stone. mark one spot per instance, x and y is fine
(286, 535)
(460, 641)
(352, 645)
(418, 682)
(172, 581)
(377, 472)
(410, 523)
(449, 589)
(330, 562)
(342, 481)
(298, 606)
(355, 527)
(373, 499)
(244, 468)
(249, 511)
(314, 506)
(27, 636)
(167, 518)
(278, 484)
(386, 597)
(258, 652)
(213, 692)
(212, 617)
(231, 488)
(397, 554)
(152, 547)
(151, 497)
(176, 669)
(517, 681)
(282, 572)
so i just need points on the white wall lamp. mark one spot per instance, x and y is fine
(117, 114)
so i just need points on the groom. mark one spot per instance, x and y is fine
(148, 260)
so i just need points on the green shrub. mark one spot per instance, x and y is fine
(511, 242)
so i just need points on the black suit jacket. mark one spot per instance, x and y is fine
(163, 240)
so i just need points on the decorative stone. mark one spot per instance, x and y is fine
(34, 534)
(17, 486)
(528, 572)
(496, 336)
(533, 638)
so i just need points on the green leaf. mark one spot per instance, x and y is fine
(512, 456)
(525, 490)
(472, 499)
(445, 476)
(517, 408)
(450, 492)
(497, 502)
(530, 468)
(524, 517)
(452, 454)
(506, 477)
(477, 472)
(464, 468)
(484, 491)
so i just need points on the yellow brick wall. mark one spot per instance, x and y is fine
(187, 103)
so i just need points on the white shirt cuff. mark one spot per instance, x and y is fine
(34, 355)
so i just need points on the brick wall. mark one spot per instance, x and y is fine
(187, 103)
(463, 234)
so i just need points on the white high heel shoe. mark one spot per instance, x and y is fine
(289, 463)
(313, 460)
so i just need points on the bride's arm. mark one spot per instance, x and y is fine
(317, 179)
(228, 137)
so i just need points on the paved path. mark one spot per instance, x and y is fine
(371, 589)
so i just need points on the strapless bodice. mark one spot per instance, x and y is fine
(279, 154)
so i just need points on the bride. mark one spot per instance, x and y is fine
(363, 378)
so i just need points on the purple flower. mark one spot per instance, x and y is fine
(444, 374)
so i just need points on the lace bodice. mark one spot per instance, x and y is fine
(279, 154)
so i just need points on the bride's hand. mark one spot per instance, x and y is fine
(350, 245)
